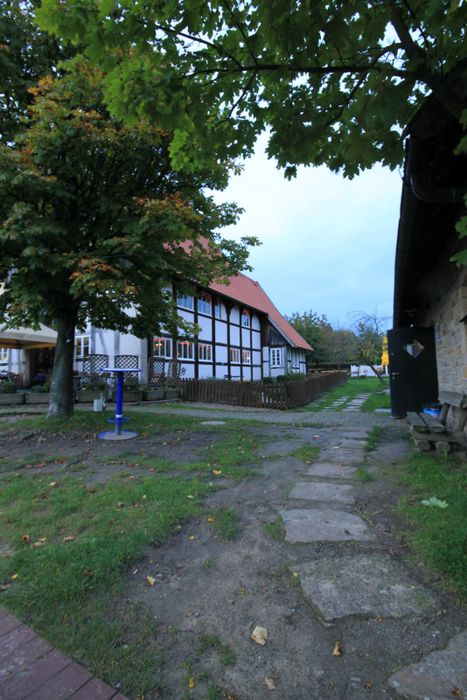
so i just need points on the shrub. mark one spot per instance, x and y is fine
(8, 388)
(40, 388)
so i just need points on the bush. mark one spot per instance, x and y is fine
(8, 388)
(292, 377)
(40, 388)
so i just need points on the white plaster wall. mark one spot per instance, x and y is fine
(246, 340)
(256, 340)
(234, 335)
(221, 332)
(205, 371)
(221, 354)
(206, 328)
(255, 322)
(235, 314)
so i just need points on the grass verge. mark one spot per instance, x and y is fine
(275, 530)
(376, 400)
(372, 438)
(74, 545)
(225, 523)
(307, 453)
(438, 535)
(347, 392)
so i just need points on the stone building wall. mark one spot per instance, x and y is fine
(448, 315)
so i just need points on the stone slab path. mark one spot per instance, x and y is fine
(367, 583)
(440, 675)
(382, 587)
(31, 668)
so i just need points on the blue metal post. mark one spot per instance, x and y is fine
(119, 402)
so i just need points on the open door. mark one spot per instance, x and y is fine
(412, 369)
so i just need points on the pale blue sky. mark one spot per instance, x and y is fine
(328, 243)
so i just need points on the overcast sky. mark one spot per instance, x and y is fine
(328, 243)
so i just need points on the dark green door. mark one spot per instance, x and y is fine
(412, 369)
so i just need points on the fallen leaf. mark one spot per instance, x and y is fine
(193, 537)
(39, 466)
(216, 472)
(458, 694)
(337, 651)
(259, 635)
(37, 544)
(25, 539)
(191, 682)
(151, 581)
(270, 685)
(53, 484)
(368, 685)
(120, 504)
(190, 496)
(210, 519)
(14, 577)
(42, 539)
(69, 538)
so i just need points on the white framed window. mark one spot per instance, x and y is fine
(162, 347)
(276, 357)
(185, 350)
(204, 304)
(4, 355)
(246, 357)
(217, 309)
(246, 321)
(205, 352)
(235, 356)
(82, 346)
(186, 302)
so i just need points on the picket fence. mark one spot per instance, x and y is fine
(281, 395)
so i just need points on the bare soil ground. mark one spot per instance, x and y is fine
(210, 594)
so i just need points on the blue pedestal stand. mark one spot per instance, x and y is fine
(118, 433)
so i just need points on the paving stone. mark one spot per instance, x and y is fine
(213, 422)
(8, 622)
(323, 491)
(95, 690)
(323, 525)
(63, 684)
(331, 470)
(440, 675)
(14, 641)
(351, 444)
(362, 584)
(343, 456)
(25, 678)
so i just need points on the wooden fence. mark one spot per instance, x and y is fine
(280, 395)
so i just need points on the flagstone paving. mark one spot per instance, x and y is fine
(323, 491)
(330, 470)
(324, 525)
(440, 675)
(362, 584)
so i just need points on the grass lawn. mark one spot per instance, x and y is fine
(438, 535)
(67, 546)
(353, 387)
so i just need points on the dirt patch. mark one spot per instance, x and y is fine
(208, 594)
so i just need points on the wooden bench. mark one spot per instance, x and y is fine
(428, 432)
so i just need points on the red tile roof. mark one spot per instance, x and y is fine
(248, 292)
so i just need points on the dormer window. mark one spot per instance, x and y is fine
(204, 304)
(246, 321)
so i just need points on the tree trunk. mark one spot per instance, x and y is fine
(61, 391)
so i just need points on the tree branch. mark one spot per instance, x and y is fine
(453, 102)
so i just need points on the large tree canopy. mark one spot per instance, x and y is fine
(93, 221)
(335, 81)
